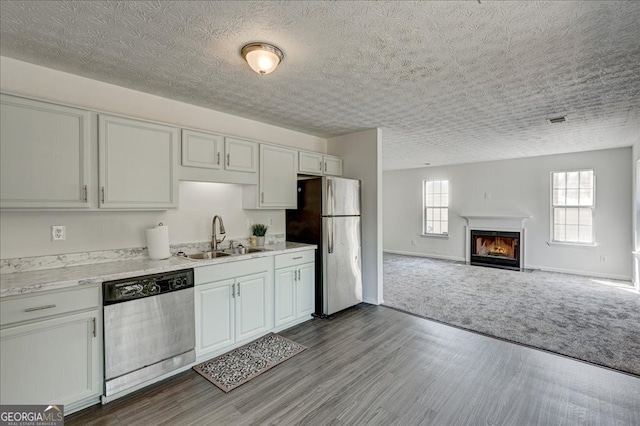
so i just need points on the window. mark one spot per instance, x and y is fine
(572, 205)
(436, 207)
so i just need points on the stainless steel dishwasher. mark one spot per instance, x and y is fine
(149, 328)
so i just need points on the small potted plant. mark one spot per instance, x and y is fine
(259, 230)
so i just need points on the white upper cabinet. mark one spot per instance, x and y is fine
(137, 164)
(240, 155)
(278, 180)
(45, 159)
(313, 163)
(332, 166)
(211, 151)
(203, 150)
(310, 163)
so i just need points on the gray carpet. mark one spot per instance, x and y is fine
(591, 319)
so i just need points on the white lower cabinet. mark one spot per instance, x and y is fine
(215, 316)
(234, 303)
(294, 287)
(52, 360)
(305, 290)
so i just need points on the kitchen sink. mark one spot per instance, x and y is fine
(247, 250)
(205, 255)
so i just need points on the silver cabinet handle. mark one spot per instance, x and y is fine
(85, 194)
(228, 159)
(39, 308)
(320, 164)
(299, 257)
(325, 166)
(295, 276)
(102, 194)
(298, 274)
(218, 158)
(95, 333)
(238, 289)
(233, 290)
(262, 197)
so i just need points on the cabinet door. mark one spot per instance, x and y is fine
(44, 155)
(54, 361)
(278, 177)
(310, 163)
(285, 296)
(305, 290)
(215, 305)
(240, 155)
(251, 306)
(202, 150)
(137, 164)
(332, 166)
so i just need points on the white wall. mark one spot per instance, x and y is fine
(362, 156)
(518, 186)
(28, 233)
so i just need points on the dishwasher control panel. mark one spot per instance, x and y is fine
(119, 291)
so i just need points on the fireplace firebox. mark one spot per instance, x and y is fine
(498, 249)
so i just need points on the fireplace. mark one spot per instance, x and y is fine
(498, 249)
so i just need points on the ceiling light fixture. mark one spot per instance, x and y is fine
(263, 58)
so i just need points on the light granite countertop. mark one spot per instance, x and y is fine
(70, 276)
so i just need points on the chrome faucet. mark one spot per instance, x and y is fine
(214, 238)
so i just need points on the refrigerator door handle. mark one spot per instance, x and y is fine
(330, 236)
(330, 201)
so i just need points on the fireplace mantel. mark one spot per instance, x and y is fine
(510, 221)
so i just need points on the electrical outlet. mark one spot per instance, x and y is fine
(270, 222)
(58, 233)
(413, 242)
(603, 258)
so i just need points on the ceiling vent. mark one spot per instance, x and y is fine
(555, 120)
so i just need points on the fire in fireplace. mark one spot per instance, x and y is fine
(498, 249)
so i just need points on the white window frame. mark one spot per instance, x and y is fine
(440, 206)
(592, 207)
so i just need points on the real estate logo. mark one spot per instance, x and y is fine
(31, 415)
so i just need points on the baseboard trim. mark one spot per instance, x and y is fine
(539, 268)
(583, 273)
(373, 302)
(429, 255)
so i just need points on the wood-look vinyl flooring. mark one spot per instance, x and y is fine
(377, 366)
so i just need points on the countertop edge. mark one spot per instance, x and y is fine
(151, 267)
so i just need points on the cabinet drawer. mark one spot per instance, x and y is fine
(295, 258)
(231, 270)
(44, 305)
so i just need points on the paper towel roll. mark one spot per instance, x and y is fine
(158, 242)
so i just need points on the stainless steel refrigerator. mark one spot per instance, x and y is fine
(328, 215)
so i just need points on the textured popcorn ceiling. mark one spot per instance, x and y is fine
(449, 82)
